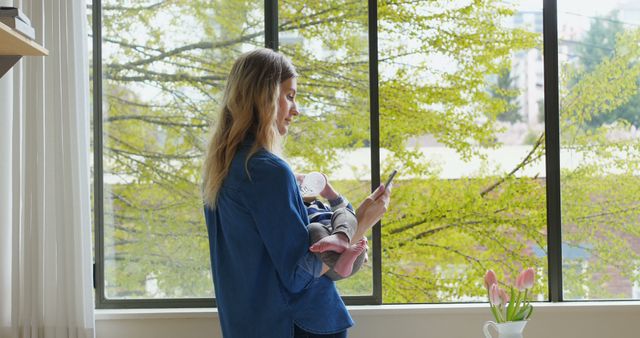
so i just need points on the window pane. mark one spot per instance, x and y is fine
(164, 65)
(461, 118)
(599, 118)
(328, 43)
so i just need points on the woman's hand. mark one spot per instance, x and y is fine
(371, 210)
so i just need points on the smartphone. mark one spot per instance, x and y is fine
(393, 174)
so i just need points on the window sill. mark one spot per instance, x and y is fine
(374, 310)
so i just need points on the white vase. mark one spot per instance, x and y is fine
(505, 330)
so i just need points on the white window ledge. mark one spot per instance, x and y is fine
(365, 310)
(618, 319)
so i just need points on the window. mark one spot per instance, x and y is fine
(599, 117)
(329, 45)
(163, 68)
(452, 94)
(462, 122)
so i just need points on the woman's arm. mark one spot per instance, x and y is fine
(281, 220)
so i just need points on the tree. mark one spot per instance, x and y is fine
(599, 197)
(164, 68)
(597, 46)
(506, 90)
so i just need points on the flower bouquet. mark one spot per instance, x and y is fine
(512, 306)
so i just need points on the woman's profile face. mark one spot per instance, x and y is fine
(287, 108)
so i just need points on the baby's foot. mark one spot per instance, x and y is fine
(344, 264)
(336, 242)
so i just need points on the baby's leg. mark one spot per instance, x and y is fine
(344, 225)
(360, 260)
(344, 265)
(344, 221)
(336, 243)
(318, 231)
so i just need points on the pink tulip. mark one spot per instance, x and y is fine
(520, 282)
(490, 279)
(525, 279)
(504, 296)
(494, 295)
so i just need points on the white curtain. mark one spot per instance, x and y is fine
(46, 287)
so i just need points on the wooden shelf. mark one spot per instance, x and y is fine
(14, 43)
(13, 46)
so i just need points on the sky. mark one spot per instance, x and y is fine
(575, 12)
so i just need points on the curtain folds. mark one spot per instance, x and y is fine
(48, 267)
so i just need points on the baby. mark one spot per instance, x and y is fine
(331, 230)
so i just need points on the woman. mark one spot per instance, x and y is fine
(267, 282)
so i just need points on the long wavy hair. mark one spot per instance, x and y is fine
(249, 108)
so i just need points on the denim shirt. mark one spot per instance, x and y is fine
(264, 275)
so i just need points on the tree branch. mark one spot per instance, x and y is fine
(164, 77)
(468, 258)
(528, 159)
(155, 120)
(198, 45)
(125, 8)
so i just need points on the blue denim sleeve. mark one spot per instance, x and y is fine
(281, 220)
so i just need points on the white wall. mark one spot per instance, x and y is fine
(566, 320)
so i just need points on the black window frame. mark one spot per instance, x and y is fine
(552, 156)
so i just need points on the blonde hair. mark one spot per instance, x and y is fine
(249, 108)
